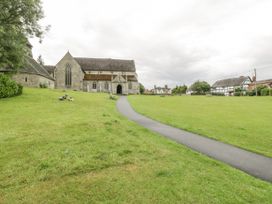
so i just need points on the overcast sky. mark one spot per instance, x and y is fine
(172, 41)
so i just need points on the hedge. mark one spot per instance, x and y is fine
(265, 92)
(8, 87)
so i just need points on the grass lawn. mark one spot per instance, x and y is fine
(242, 121)
(85, 152)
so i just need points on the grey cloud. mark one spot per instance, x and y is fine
(172, 42)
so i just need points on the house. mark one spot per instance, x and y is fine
(228, 86)
(95, 75)
(161, 90)
(32, 74)
(266, 82)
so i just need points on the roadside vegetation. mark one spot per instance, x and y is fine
(240, 121)
(84, 151)
(8, 87)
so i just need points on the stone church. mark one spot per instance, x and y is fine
(95, 75)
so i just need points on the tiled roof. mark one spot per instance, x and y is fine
(50, 68)
(32, 67)
(230, 82)
(105, 64)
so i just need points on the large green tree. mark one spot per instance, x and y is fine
(200, 87)
(19, 20)
(178, 90)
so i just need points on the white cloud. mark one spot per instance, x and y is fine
(172, 42)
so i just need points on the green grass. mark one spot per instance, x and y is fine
(84, 152)
(242, 121)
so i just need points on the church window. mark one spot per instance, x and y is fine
(26, 79)
(94, 85)
(68, 76)
(106, 86)
(130, 85)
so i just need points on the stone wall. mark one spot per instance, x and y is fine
(135, 88)
(100, 86)
(77, 74)
(112, 87)
(32, 80)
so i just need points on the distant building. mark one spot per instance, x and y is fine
(228, 86)
(115, 76)
(148, 92)
(161, 90)
(32, 74)
(266, 82)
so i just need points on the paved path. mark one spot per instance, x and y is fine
(249, 162)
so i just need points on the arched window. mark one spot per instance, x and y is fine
(68, 76)
(106, 86)
(130, 85)
(94, 85)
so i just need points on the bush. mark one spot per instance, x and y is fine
(260, 88)
(251, 93)
(265, 92)
(217, 94)
(44, 86)
(238, 93)
(20, 89)
(8, 87)
(270, 92)
(196, 94)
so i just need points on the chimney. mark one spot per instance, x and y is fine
(155, 87)
(166, 87)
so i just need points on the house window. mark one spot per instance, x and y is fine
(68, 76)
(130, 85)
(106, 86)
(94, 85)
(26, 79)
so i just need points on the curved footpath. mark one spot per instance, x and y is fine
(249, 162)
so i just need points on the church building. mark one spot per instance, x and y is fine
(95, 75)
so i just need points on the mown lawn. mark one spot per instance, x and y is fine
(84, 152)
(242, 121)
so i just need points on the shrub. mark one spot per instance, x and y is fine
(44, 86)
(195, 94)
(270, 92)
(238, 94)
(265, 92)
(260, 88)
(8, 87)
(20, 89)
(217, 94)
(251, 93)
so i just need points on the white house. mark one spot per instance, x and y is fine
(161, 90)
(228, 86)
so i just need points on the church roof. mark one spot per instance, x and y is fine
(230, 82)
(105, 64)
(49, 68)
(32, 67)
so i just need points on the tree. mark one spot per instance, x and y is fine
(19, 20)
(200, 87)
(142, 88)
(40, 60)
(178, 90)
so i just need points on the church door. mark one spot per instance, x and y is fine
(119, 89)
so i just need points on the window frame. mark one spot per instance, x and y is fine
(68, 76)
